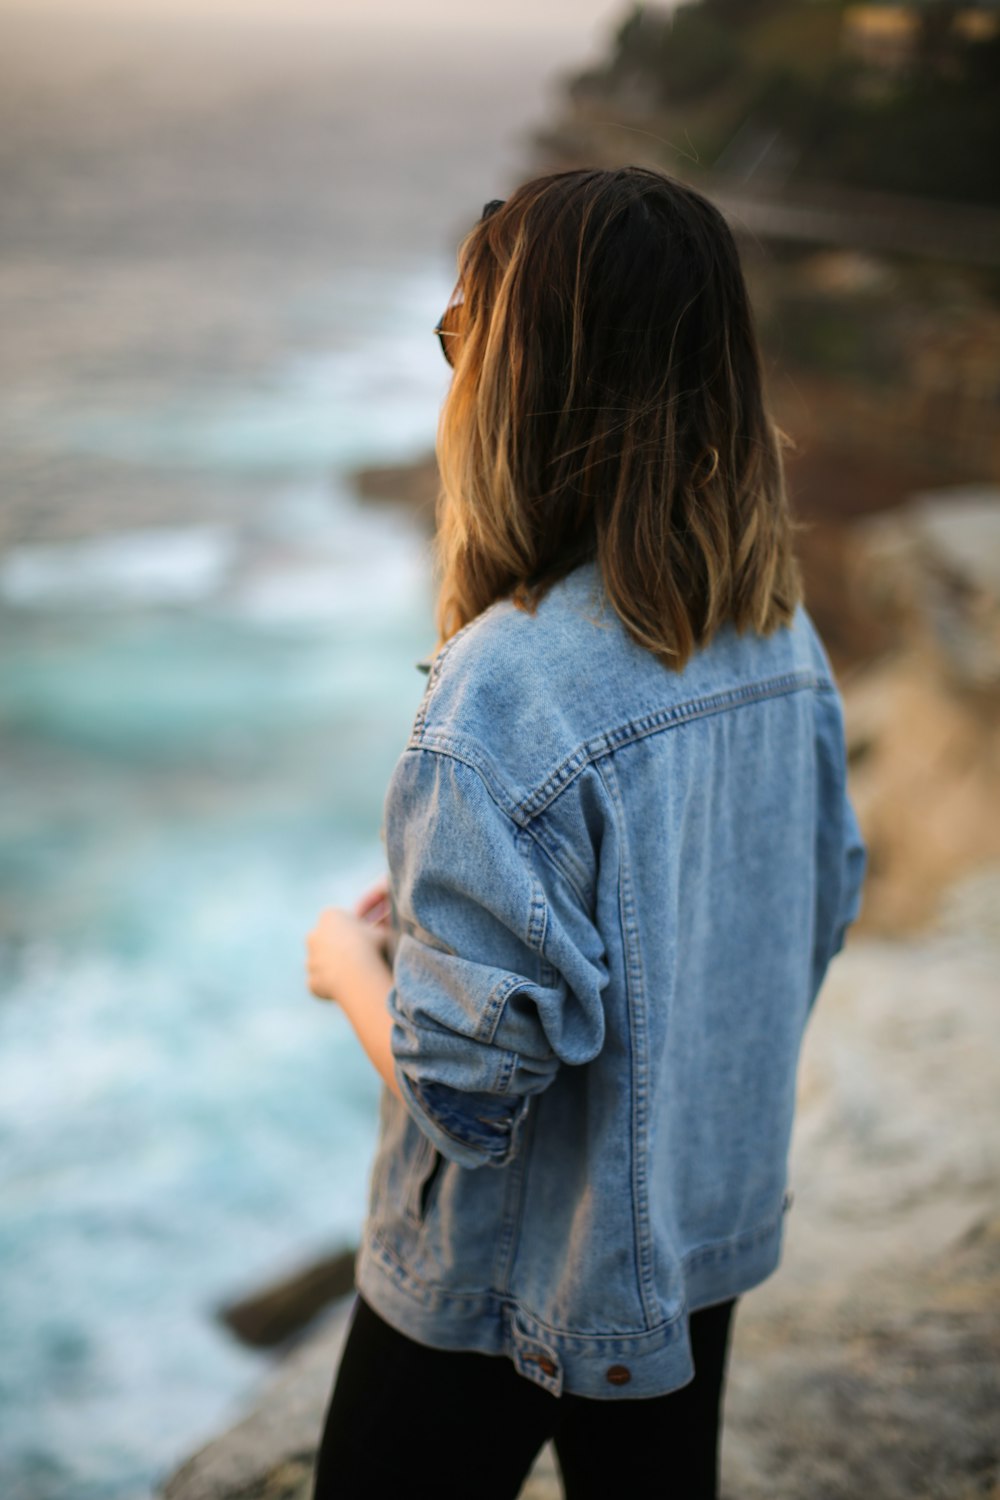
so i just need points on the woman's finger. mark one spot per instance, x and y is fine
(373, 906)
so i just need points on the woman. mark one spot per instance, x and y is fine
(621, 856)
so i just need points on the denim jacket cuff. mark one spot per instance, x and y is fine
(472, 1129)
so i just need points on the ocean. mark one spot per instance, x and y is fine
(223, 249)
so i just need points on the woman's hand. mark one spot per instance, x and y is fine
(375, 906)
(344, 954)
(345, 963)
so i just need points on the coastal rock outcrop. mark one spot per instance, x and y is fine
(923, 717)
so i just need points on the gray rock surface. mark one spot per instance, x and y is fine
(935, 564)
(270, 1452)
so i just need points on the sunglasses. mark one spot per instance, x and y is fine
(441, 328)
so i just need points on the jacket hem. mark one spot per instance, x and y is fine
(656, 1360)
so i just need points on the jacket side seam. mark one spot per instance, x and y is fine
(635, 991)
(538, 912)
(509, 1238)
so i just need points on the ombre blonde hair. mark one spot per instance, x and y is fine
(607, 403)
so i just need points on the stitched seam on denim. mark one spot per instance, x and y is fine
(558, 866)
(438, 663)
(634, 995)
(560, 854)
(608, 741)
(720, 1250)
(510, 1236)
(538, 910)
(568, 1339)
(385, 1251)
(522, 812)
(433, 674)
(747, 1241)
(505, 804)
(486, 1028)
(508, 1065)
(511, 1304)
(468, 753)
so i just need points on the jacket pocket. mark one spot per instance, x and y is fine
(429, 1185)
(422, 1177)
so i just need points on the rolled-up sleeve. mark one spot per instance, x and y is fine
(490, 994)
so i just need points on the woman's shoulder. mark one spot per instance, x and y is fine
(516, 690)
(575, 647)
(527, 692)
(511, 664)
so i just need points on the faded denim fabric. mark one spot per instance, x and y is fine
(616, 891)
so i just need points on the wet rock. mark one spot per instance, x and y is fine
(277, 1312)
(893, 1392)
(414, 485)
(269, 1455)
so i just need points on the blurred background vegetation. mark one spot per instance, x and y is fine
(891, 97)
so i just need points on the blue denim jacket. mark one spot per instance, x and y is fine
(616, 891)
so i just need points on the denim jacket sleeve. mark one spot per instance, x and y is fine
(490, 993)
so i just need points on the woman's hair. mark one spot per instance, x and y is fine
(607, 403)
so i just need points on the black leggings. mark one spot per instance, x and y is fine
(408, 1421)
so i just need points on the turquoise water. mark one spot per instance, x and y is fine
(198, 724)
(222, 254)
